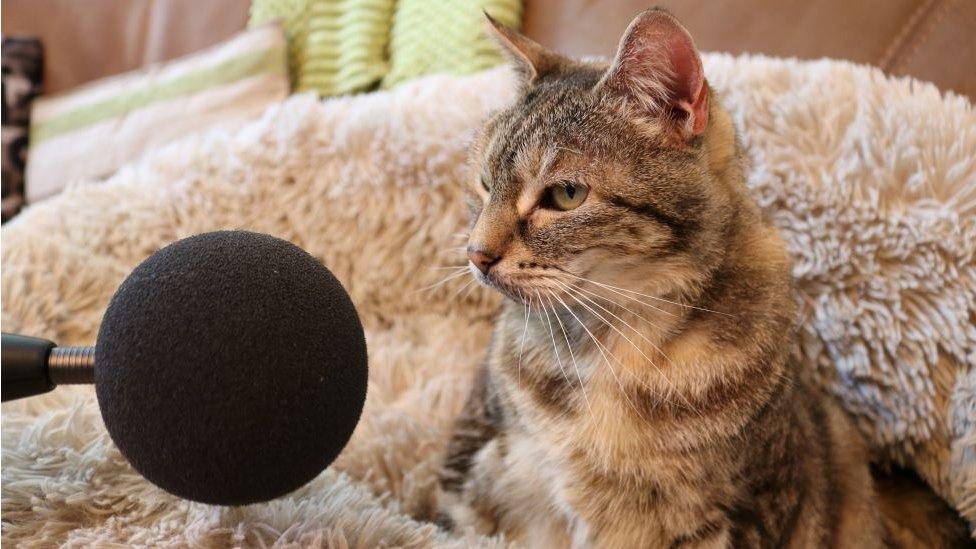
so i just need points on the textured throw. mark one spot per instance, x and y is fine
(871, 180)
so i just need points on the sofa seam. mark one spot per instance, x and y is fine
(912, 35)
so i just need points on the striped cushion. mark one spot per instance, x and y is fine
(339, 47)
(431, 36)
(90, 132)
(335, 47)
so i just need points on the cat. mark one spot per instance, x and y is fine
(639, 389)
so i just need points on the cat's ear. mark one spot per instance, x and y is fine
(658, 67)
(530, 60)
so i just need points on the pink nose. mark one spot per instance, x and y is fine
(482, 260)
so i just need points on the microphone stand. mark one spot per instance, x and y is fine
(32, 366)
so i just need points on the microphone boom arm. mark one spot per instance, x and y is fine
(32, 366)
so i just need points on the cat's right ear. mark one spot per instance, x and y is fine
(529, 59)
(658, 68)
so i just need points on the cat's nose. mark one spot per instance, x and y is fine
(482, 259)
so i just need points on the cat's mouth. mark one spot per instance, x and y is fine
(529, 289)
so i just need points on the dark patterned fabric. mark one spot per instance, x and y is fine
(22, 71)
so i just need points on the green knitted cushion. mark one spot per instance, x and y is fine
(432, 36)
(346, 46)
(335, 46)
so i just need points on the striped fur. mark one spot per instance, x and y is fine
(639, 389)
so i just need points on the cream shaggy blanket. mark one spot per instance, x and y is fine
(871, 180)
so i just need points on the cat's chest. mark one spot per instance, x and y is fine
(573, 400)
(588, 474)
(583, 417)
(605, 399)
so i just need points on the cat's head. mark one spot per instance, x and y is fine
(613, 173)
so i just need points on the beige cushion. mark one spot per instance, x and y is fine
(90, 132)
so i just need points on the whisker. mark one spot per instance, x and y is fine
(616, 304)
(621, 294)
(552, 336)
(522, 344)
(542, 308)
(656, 348)
(626, 296)
(674, 389)
(571, 354)
(454, 250)
(461, 289)
(470, 290)
(446, 279)
(599, 348)
(568, 289)
(609, 286)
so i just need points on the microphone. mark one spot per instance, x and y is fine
(230, 368)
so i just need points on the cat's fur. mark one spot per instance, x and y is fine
(687, 425)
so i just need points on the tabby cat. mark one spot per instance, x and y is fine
(638, 390)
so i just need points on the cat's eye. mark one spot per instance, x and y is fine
(564, 196)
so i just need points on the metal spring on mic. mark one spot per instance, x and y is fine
(71, 365)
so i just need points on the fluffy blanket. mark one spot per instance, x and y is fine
(871, 180)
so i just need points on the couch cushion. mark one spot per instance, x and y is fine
(334, 48)
(430, 37)
(90, 132)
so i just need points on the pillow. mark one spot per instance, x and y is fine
(353, 46)
(334, 48)
(90, 132)
(23, 61)
(431, 36)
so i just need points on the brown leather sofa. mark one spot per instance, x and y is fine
(929, 39)
(933, 40)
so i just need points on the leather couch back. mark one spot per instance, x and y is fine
(931, 40)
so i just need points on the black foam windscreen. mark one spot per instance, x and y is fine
(230, 368)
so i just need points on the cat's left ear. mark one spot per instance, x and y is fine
(530, 60)
(658, 67)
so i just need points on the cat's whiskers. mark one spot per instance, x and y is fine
(571, 354)
(600, 348)
(626, 296)
(460, 250)
(552, 336)
(524, 332)
(656, 298)
(613, 303)
(461, 289)
(539, 314)
(569, 291)
(617, 304)
(459, 273)
(673, 389)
